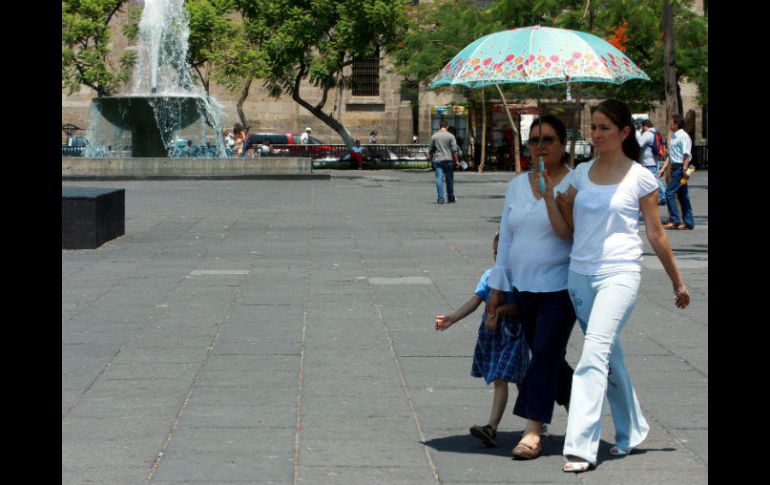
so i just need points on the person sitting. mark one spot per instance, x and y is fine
(357, 154)
(264, 149)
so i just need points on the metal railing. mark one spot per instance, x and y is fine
(700, 156)
(381, 152)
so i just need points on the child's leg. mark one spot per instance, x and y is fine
(499, 401)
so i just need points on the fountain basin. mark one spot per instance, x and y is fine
(145, 117)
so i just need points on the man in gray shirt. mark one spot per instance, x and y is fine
(444, 154)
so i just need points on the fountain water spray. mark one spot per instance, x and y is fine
(164, 100)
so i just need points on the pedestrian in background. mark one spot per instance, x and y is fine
(649, 159)
(501, 354)
(239, 137)
(304, 138)
(444, 155)
(679, 158)
(373, 137)
(533, 264)
(357, 154)
(602, 205)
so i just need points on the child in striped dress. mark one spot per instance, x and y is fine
(501, 355)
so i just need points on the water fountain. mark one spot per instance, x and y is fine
(163, 100)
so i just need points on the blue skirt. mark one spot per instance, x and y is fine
(501, 355)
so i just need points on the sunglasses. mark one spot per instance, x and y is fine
(544, 141)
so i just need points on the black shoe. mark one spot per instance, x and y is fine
(439, 201)
(484, 433)
(452, 200)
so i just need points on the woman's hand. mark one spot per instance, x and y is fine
(681, 296)
(565, 203)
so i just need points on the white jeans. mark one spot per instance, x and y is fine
(602, 305)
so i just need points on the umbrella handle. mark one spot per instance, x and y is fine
(541, 181)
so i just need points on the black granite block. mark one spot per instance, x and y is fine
(91, 216)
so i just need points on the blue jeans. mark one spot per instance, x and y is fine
(661, 189)
(445, 169)
(603, 304)
(674, 191)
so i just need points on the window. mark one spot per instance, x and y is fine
(366, 76)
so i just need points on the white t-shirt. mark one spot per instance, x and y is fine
(530, 256)
(606, 218)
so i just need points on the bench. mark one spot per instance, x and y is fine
(91, 216)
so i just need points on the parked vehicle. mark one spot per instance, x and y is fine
(583, 148)
(286, 143)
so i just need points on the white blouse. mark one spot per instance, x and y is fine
(530, 256)
(606, 217)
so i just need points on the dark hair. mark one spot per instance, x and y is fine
(556, 124)
(443, 124)
(620, 115)
(647, 122)
(679, 120)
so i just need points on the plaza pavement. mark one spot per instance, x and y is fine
(257, 331)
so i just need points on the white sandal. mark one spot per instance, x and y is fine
(576, 465)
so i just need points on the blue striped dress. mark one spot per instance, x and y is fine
(502, 354)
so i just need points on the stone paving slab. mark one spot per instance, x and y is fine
(281, 331)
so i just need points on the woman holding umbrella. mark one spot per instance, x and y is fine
(603, 205)
(532, 263)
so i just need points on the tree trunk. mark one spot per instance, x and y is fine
(673, 105)
(241, 100)
(472, 126)
(516, 147)
(328, 120)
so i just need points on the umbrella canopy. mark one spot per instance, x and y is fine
(538, 55)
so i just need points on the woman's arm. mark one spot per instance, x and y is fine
(443, 322)
(565, 202)
(659, 242)
(561, 227)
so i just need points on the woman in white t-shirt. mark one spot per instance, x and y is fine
(603, 205)
(532, 263)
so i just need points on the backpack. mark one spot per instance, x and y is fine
(659, 145)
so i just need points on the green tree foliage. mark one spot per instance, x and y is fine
(212, 31)
(86, 40)
(444, 27)
(315, 41)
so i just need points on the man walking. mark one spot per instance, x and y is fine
(650, 160)
(679, 156)
(444, 155)
(304, 138)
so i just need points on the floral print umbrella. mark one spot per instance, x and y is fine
(538, 55)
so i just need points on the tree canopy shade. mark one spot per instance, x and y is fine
(316, 41)
(86, 39)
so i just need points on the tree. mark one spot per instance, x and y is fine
(436, 33)
(86, 40)
(316, 41)
(673, 102)
(212, 30)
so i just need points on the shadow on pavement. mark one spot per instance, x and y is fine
(552, 445)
